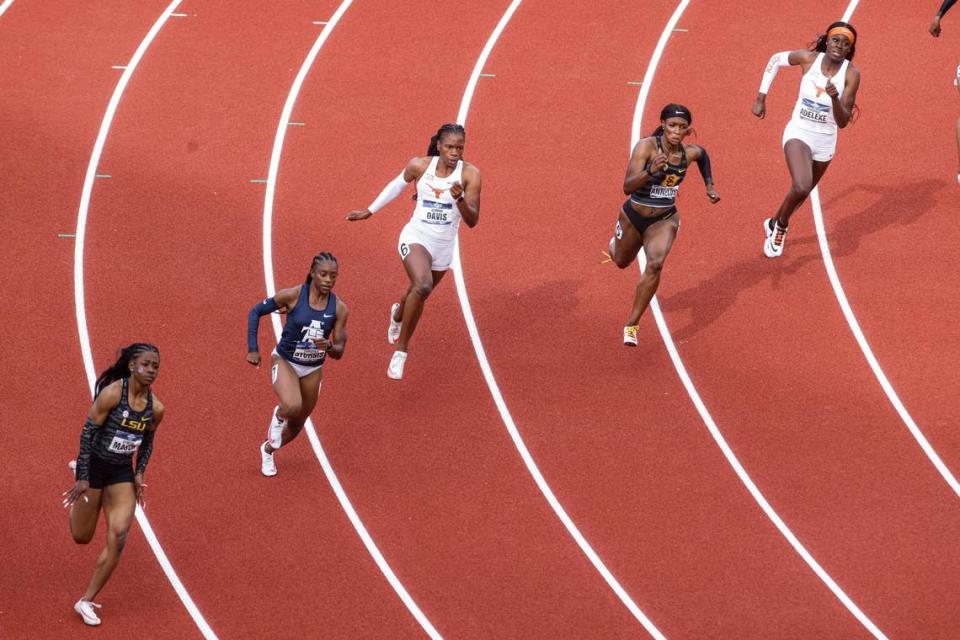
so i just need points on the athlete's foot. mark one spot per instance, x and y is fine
(393, 331)
(773, 245)
(87, 611)
(275, 430)
(630, 335)
(395, 370)
(267, 466)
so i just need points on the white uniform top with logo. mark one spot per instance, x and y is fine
(813, 121)
(436, 217)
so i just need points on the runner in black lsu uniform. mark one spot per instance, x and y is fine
(648, 219)
(120, 426)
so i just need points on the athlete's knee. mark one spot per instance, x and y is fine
(800, 189)
(623, 261)
(654, 265)
(423, 288)
(290, 409)
(117, 538)
(81, 537)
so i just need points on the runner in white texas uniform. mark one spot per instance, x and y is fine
(448, 190)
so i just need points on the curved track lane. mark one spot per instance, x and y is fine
(640, 477)
(772, 356)
(51, 108)
(194, 130)
(425, 460)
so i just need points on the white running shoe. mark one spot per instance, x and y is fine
(393, 331)
(86, 610)
(630, 335)
(275, 430)
(395, 370)
(773, 245)
(267, 466)
(767, 229)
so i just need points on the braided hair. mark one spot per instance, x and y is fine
(450, 127)
(323, 256)
(673, 110)
(121, 368)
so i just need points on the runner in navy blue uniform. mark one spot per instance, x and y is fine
(121, 424)
(316, 327)
(649, 218)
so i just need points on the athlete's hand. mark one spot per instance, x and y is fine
(73, 493)
(321, 343)
(832, 89)
(139, 486)
(760, 106)
(456, 190)
(935, 27)
(359, 214)
(253, 357)
(713, 195)
(658, 163)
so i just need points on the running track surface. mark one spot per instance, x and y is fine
(173, 255)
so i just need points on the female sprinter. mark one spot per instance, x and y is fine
(828, 92)
(448, 189)
(649, 219)
(316, 327)
(122, 422)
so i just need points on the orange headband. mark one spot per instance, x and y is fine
(844, 32)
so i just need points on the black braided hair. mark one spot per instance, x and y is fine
(121, 368)
(673, 110)
(320, 257)
(820, 44)
(450, 127)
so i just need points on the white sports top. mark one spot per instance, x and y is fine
(436, 209)
(814, 109)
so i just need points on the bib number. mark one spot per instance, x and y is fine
(657, 191)
(125, 443)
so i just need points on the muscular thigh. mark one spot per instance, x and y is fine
(285, 382)
(630, 240)
(658, 238)
(310, 390)
(417, 263)
(119, 502)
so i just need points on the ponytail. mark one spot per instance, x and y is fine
(121, 368)
(451, 127)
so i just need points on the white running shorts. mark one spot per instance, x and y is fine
(823, 145)
(440, 250)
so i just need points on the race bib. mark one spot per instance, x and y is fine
(125, 443)
(657, 191)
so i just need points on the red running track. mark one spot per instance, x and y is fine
(427, 461)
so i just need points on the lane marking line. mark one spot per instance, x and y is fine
(119, 66)
(259, 180)
(695, 396)
(66, 235)
(5, 6)
(315, 443)
(103, 175)
(861, 339)
(485, 367)
(80, 308)
(297, 124)
(488, 75)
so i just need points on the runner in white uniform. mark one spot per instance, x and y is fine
(828, 92)
(448, 190)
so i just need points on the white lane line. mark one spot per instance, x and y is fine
(695, 397)
(518, 442)
(277, 329)
(81, 312)
(861, 339)
(5, 6)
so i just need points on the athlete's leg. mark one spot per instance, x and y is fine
(626, 242)
(119, 502)
(417, 264)
(309, 391)
(657, 241)
(801, 165)
(287, 387)
(83, 516)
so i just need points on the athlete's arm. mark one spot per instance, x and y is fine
(283, 301)
(843, 105)
(467, 195)
(394, 188)
(637, 172)
(103, 404)
(935, 25)
(146, 448)
(778, 60)
(702, 158)
(336, 346)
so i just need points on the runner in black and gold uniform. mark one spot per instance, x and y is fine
(649, 219)
(121, 424)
